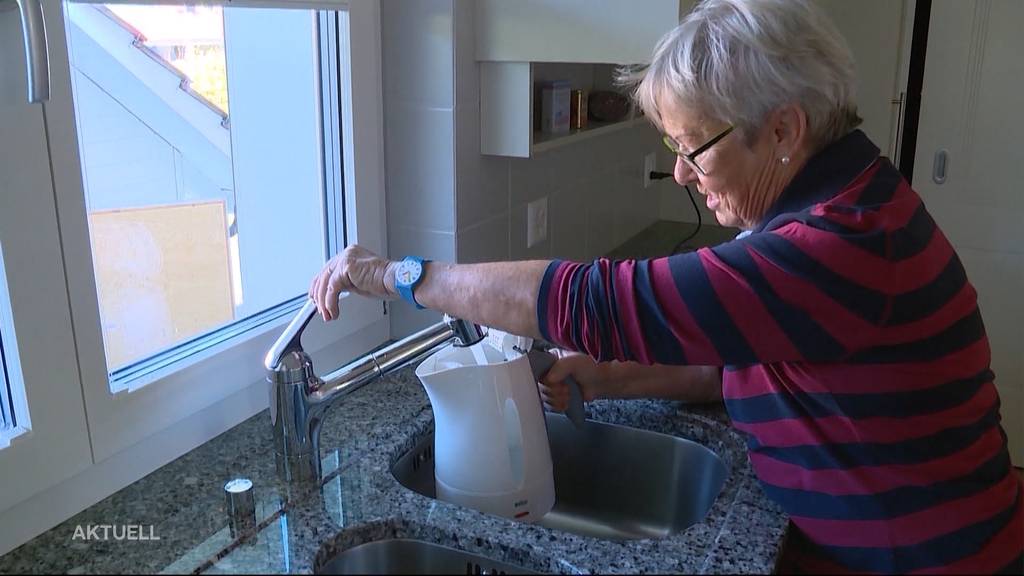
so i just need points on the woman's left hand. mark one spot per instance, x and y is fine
(355, 269)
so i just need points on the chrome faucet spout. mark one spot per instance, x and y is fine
(299, 398)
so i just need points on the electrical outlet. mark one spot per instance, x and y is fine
(650, 161)
(536, 222)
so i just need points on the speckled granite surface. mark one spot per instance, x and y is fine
(360, 501)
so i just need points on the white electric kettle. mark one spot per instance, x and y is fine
(491, 449)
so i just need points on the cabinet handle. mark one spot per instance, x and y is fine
(37, 62)
(940, 167)
(896, 141)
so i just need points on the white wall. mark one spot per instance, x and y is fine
(418, 79)
(447, 201)
(596, 199)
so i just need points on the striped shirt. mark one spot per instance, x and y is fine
(855, 363)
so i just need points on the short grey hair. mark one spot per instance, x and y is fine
(738, 60)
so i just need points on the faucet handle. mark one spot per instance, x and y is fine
(466, 333)
(291, 339)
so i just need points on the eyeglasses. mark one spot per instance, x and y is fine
(691, 158)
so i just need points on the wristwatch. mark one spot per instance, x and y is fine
(408, 275)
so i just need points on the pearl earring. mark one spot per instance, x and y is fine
(784, 159)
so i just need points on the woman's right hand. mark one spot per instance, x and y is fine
(354, 269)
(595, 380)
(691, 384)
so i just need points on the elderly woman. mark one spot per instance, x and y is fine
(843, 330)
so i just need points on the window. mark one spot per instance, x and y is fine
(192, 210)
(6, 415)
(194, 175)
(11, 381)
(7, 418)
(203, 225)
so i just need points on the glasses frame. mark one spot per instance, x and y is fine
(691, 158)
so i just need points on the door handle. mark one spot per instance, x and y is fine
(37, 62)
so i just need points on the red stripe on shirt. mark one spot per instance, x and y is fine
(912, 528)
(850, 330)
(863, 480)
(856, 378)
(559, 321)
(789, 432)
(747, 311)
(1002, 549)
(694, 342)
(896, 215)
(867, 269)
(627, 304)
(607, 269)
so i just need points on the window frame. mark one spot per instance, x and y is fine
(50, 443)
(118, 420)
(100, 434)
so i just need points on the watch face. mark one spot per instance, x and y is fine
(408, 272)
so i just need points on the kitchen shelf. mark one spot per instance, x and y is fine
(507, 118)
(543, 141)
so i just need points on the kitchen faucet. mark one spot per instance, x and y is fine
(299, 399)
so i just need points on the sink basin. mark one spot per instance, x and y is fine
(399, 556)
(611, 482)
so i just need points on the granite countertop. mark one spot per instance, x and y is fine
(359, 501)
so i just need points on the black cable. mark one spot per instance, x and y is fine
(682, 242)
(661, 175)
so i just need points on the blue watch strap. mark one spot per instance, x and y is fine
(406, 287)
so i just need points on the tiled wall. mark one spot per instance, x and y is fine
(596, 199)
(447, 201)
(418, 78)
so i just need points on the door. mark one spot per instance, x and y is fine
(874, 31)
(969, 165)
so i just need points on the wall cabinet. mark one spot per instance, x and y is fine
(515, 39)
(520, 43)
(610, 31)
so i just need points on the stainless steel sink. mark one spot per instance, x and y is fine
(611, 481)
(398, 556)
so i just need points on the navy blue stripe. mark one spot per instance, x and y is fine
(957, 336)
(874, 241)
(882, 186)
(597, 312)
(864, 302)
(823, 177)
(617, 321)
(542, 299)
(661, 343)
(694, 285)
(828, 225)
(576, 306)
(768, 407)
(853, 454)
(912, 239)
(897, 245)
(812, 341)
(929, 299)
(940, 551)
(891, 503)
